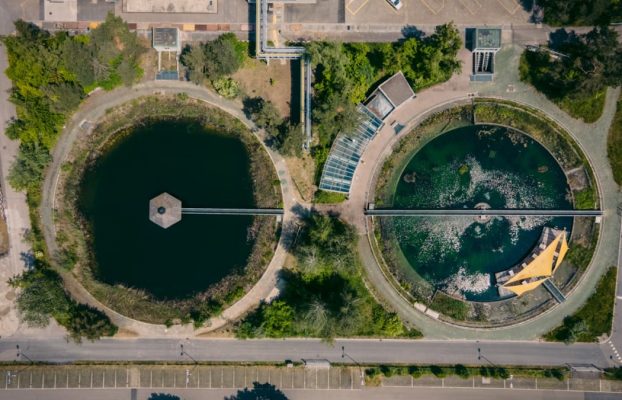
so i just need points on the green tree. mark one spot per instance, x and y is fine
(224, 56)
(264, 114)
(90, 323)
(78, 58)
(195, 59)
(579, 12)
(588, 64)
(277, 319)
(41, 297)
(291, 139)
(27, 170)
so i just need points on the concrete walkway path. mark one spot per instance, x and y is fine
(92, 110)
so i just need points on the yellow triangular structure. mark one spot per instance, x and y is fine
(562, 252)
(541, 266)
(525, 287)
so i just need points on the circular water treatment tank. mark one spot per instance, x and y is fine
(195, 166)
(475, 167)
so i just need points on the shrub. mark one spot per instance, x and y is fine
(227, 87)
(462, 371)
(439, 372)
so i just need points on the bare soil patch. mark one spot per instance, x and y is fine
(302, 170)
(4, 237)
(271, 81)
(148, 62)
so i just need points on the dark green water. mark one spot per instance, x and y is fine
(460, 169)
(201, 168)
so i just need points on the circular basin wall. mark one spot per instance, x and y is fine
(198, 166)
(469, 167)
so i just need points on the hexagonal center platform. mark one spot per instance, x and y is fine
(165, 210)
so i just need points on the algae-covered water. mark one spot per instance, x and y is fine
(461, 169)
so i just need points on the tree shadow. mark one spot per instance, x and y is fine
(562, 38)
(411, 31)
(251, 105)
(300, 211)
(260, 391)
(526, 4)
(28, 257)
(163, 396)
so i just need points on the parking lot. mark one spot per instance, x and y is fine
(416, 12)
(574, 384)
(167, 376)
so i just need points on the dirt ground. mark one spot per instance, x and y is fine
(148, 61)
(4, 237)
(302, 170)
(271, 81)
(169, 61)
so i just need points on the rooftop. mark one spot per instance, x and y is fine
(165, 38)
(487, 38)
(346, 152)
(389, 95)
(165, 210)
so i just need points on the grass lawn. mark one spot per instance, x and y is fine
(272, 82)
(589, 108)
(449, 306)
(324, 197)
(614, 144)
(593, 319)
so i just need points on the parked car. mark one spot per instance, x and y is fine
(397, 4)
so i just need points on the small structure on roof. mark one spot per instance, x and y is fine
(485, 42)
(165, 210)
(166, 39)
(537, 267)
(389, 95)
(167, 43)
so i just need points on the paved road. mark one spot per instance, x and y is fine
(367, 394)
(363, 351)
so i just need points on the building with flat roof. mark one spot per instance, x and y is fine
(166, 39)
(389, 95)
(485, 42)
(170, 6)
(167, 43)
(60, 10)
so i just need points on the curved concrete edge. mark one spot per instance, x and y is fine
(435, 99)
(92, 110)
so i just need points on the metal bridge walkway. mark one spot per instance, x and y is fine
(232, 211)
(478, 213)
(554, 291)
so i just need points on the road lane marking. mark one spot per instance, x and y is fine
(357, 9)
(431, 8)
(613, 347)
